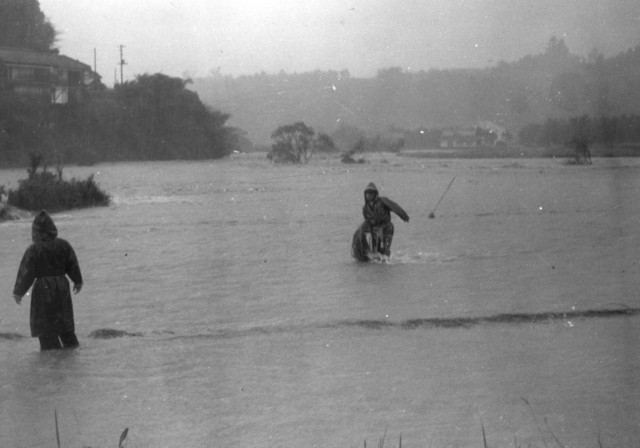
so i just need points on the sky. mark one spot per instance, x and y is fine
(243, 37)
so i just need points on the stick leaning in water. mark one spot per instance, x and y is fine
(433, 213)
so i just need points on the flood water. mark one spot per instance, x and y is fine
(243, 321)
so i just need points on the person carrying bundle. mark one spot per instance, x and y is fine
(377, 215)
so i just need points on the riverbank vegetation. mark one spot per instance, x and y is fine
(153, 117)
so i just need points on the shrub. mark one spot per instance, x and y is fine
(45, 190)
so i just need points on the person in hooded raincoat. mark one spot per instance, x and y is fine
(377, 215)
(45, 265)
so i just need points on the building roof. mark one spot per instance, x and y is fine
(30, 57)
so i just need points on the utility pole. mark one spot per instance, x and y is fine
(95, 69)
(122, 63)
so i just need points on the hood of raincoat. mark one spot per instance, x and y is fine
(371, 187)
(43, 228)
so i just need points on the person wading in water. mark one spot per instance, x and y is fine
(46, 264)
(377, 215)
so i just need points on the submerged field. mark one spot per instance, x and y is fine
(565, 153)
(239, 318)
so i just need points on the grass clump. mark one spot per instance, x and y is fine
(43, 189)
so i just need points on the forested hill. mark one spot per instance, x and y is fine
(554, 84)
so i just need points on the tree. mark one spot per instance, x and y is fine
(567, 91)
(153, 117)
(558, 47)
(531, 134)
(390, 74)
(324, 143)
(292, 143)
(23, 25)
(519, 103)
(485, 137)
(23, 123)
(165, 120)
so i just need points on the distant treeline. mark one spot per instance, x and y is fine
(555, 84)
(605, 130)
(153, 117)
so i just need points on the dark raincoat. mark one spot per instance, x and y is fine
(379, 213)
(377, 220)
(45, 265)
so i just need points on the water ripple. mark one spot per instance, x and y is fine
(10, 336)
(369, 324)
(413, 324)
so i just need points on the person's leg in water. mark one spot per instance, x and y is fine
(69, 340)
(49, 342)
(378, 240)
(387, 239)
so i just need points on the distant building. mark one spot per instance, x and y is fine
(58, 78)
(499, 135)
(482, 133)
(458, 137)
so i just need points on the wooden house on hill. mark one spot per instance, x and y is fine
(58, 78)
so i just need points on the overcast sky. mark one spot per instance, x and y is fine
(251, 36)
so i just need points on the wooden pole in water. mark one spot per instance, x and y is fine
(433, 213)
(55, 414)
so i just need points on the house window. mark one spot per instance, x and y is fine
(21, 74)
(60, 95)
(31, 90)
(41, 75)
(75, 78)
(63, 75)
(28, 74)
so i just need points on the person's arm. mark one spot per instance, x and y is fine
(395, 208)
(26, 275)
(73, 269)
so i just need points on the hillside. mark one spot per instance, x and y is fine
(555, 84)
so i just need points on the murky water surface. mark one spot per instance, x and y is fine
(244, 322)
